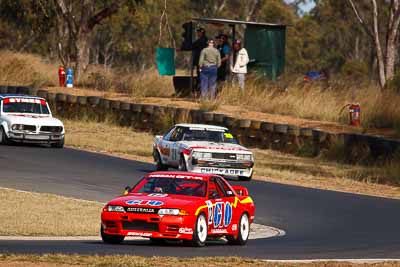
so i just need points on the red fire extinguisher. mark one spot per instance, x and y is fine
(61, 76)
(355, 114)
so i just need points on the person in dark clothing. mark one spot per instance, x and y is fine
(198, 45)
(225, 51)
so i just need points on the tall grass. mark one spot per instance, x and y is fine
(144, 83)
(323, 101)
(318, 101)
(26, 69)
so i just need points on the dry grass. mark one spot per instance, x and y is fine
(316, 101)
(109, 138)
(124, 260)
(145, 83)
(26, 69)
(270, 165)
(26, 213)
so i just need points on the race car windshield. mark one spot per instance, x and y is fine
(173, 186)
(209, 136)
(32, 106)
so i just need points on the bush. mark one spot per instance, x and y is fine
(355, 70)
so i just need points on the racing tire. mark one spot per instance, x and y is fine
(3, 137)
(245, 178)
(111, 239)
(200, 232)
(59, 144)
(243, 232)
(182, 164)
(159, 165)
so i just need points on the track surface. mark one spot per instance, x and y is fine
(318, 223)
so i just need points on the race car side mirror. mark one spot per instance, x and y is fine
(126, 191)
(240, 190)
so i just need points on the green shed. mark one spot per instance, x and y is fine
(265, 44)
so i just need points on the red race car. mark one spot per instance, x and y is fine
(181, 206)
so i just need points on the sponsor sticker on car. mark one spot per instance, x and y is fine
(142, 234)
(222, 171)
(140, 202)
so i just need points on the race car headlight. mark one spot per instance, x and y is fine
(248, 157)
(115, 209)
(172, 212)
(202, 155)
(17, 127)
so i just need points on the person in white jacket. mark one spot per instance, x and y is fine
(239, 69)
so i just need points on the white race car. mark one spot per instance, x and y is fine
(203, 149)
(28, 119)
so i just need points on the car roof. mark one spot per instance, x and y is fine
(207, 126)
(2, 96)
(179, 175)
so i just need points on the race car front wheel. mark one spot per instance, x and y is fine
(3, 137)
(111, 239)
(182, 164)
(243, 232)
(159, 165)
(200, 231)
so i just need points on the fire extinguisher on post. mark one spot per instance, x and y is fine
(355, 114)
(61, 76)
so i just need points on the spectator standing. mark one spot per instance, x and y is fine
(197, 47)
(239, 69)
(209, 62)
(225, 51)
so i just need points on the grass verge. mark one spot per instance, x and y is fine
(65, 219)
(270, 165)
(48, 260)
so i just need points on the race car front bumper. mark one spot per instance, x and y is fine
(224, 168)
(148, 225)
(42, 138)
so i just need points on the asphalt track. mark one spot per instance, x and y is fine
(318, 224)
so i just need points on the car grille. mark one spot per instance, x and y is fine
(51, 129)
(140, 225)
(30, 128)
(224, 156)
(141, 210)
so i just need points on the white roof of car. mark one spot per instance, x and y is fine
(205, 126)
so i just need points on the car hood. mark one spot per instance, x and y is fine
(214, 147)
(32, 119)
(156, 200)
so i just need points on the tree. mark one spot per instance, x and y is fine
(385, 53)
(79, 19)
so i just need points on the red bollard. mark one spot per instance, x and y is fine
(61, 76)
(355, 114)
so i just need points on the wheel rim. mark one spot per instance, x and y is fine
(202, 229)
(244, 227)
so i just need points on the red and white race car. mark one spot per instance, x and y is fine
(180, 206)
(203, 148)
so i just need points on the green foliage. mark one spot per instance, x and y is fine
(394, 84)
(356, 70)
(329, 37)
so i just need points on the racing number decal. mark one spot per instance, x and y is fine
(219, 212)
(174, 154)
(227, 214)
(210, 211)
